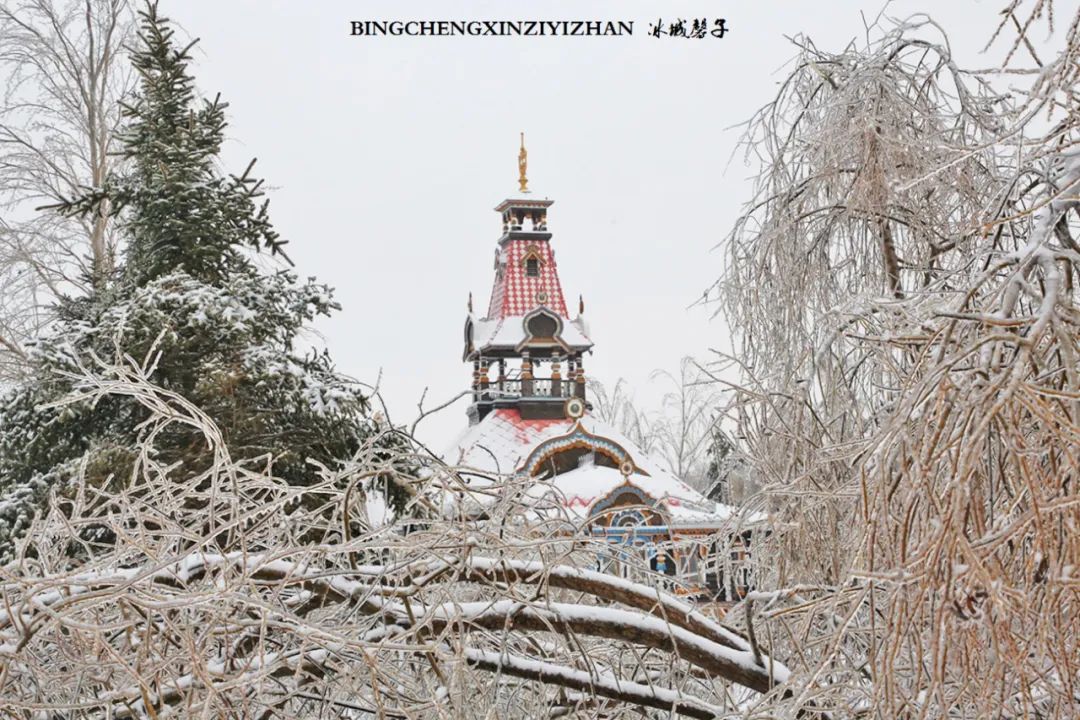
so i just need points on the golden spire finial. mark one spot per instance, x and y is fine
(523, 161)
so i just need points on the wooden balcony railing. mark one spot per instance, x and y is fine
(518, 388)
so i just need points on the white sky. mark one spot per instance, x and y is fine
(385, 157)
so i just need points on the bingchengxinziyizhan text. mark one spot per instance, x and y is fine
(698, 28)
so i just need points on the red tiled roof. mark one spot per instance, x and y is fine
(514, 293)
(525, 431)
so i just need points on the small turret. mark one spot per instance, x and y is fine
(527, 325)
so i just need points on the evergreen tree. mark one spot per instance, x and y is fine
(184, 216)
(190, 295)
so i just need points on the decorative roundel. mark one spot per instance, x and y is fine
(541, 297)
(626, 468)
(575, 408)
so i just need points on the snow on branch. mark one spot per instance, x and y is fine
(180, 591)
(904, 292)
(602, 684)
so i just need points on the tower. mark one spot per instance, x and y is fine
(526, 352)
(530, 419)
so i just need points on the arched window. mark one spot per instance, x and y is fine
(532, 267)
(542, 325)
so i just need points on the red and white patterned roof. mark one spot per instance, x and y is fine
(514, 293)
